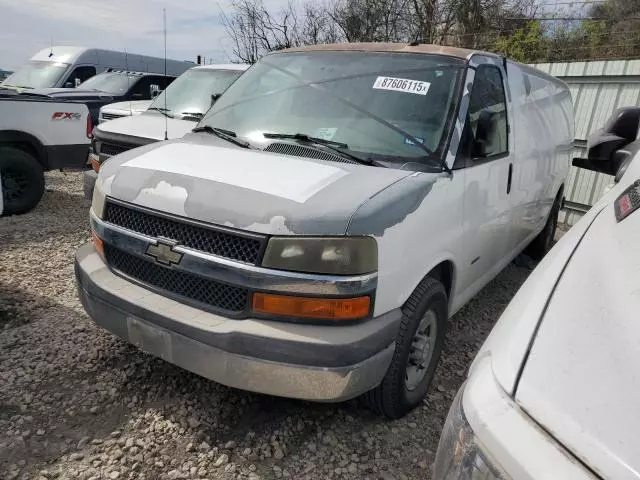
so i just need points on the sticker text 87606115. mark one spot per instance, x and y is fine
(402, 85)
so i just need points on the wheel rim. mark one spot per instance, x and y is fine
(14, 184)
(422, 346)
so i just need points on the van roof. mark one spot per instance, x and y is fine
(423, 48)
(133, 72)
(62, 54)
(241, 67)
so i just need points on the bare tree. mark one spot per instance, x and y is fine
(254, 30)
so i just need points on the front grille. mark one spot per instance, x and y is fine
(185, 286)
(302, 151)
(112, 149)
(111, 116)
(217, 242)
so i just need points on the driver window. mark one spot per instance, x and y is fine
(80, 74)
(486, 126)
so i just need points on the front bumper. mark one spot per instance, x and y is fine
(327, 363)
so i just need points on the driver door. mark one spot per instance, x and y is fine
(488, 170)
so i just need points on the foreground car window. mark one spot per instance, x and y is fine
(346, 97)
(191, 92)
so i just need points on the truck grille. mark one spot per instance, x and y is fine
(206, 239)
(187, 287)
(111, 149)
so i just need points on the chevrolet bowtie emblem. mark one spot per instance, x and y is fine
(163, 253)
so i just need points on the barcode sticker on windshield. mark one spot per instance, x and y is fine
(402, 85)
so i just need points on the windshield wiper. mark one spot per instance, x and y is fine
(193, 114)
(227, 135)
(305, 138)
(161, 110)
(337, 147)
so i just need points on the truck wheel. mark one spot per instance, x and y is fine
(544, 241)
(22, 180)
(418, 346)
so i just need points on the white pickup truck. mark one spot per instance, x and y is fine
(37, 135)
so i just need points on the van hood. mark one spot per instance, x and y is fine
(70, 94)
(580, 381)
(127, 107)
(210, 180)
(148, 125)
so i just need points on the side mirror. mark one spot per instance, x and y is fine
(604, 144)
(483, 135)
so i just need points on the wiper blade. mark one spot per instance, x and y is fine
(161, 110)
(337, 147)
(305, 138)
(227, 135)
(193, 114)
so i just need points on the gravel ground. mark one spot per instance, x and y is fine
(75, 402)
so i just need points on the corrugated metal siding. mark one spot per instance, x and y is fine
(597, 89)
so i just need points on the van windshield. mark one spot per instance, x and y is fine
(111, 82)
(36, 75)
(191, 93)
(364, 100)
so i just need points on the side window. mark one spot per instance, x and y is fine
(141, 90)
(487, 118)
(80, 74)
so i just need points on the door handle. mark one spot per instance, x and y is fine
(509, 178)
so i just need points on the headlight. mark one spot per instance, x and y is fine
(332, 256)
(459, 456)
(99, 200)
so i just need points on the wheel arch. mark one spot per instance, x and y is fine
(26, 142)
(444, 271)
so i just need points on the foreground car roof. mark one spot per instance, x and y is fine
(392, 47)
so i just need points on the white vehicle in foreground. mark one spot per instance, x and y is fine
(333, 208)
(553, 393)
(123, 109)
(171, 114)
(68, 67)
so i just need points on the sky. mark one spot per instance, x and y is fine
(193, 27)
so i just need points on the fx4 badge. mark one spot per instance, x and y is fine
(163, 253)
(66, 116)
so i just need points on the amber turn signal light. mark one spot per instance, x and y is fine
(95, 164)
(97, 241)
(305, 307)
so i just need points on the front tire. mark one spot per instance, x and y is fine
(22, 179)
(418, 347)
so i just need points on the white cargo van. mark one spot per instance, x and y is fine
(328, 215)
(171, 114)
(68, 67)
